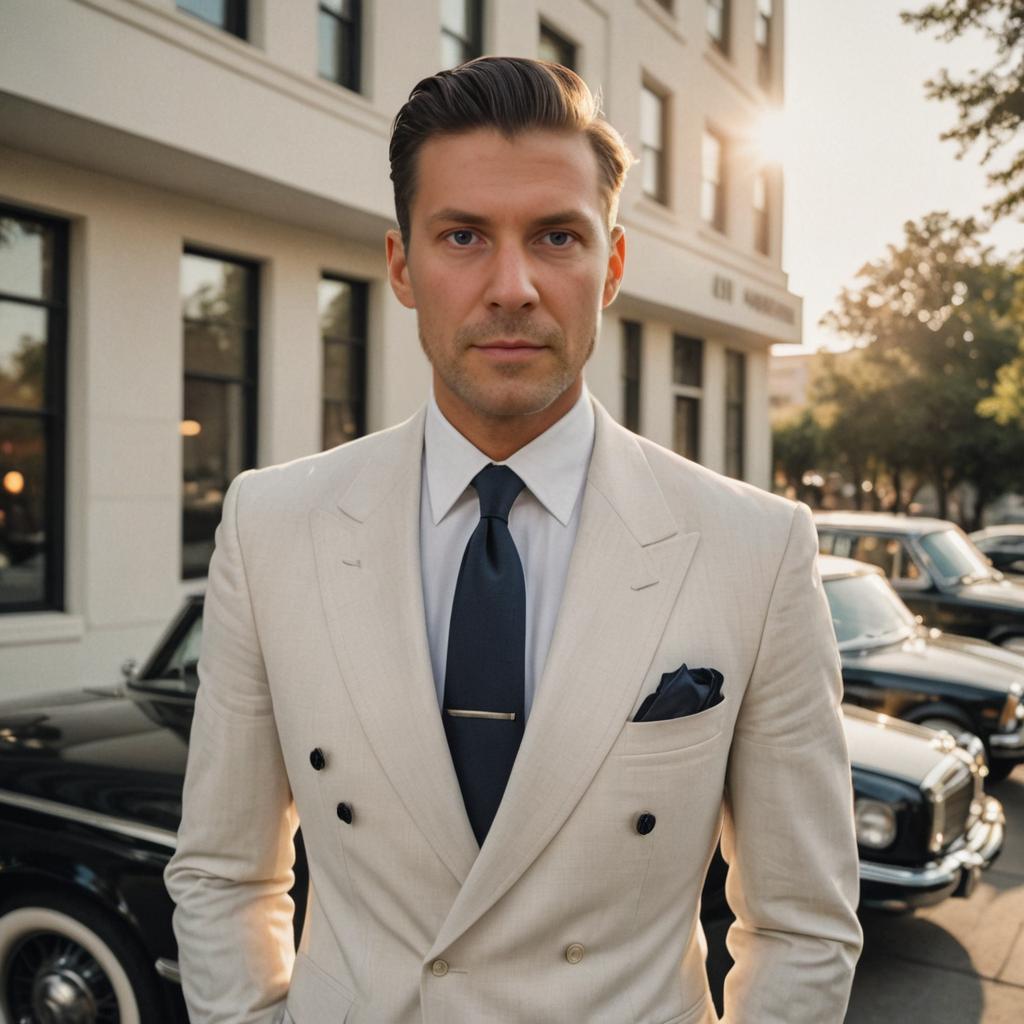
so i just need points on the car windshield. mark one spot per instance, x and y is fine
(955, 557)
(866, 610)
(171, 677)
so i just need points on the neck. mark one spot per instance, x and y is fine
(499, 437)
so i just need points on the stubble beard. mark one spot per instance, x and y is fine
(521, 392)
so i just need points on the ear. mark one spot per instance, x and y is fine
(616, 265)
(398, 269)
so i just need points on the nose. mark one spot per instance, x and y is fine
(511, 287)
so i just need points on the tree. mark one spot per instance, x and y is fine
(797, 446)
(990, 101)
(935, 319)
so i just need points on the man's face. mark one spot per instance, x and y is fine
(509, 266)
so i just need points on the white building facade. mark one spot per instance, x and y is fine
(193, 199)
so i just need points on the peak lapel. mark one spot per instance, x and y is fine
(368, 563)
(626, 570)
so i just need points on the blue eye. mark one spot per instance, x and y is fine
(462, 237)
(560, 239)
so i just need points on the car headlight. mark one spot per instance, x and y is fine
(876, 823)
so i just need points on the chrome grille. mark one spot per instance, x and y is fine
(955, 791)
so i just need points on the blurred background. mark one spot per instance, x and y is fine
(824, 296)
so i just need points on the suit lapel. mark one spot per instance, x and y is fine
(626, 569)
(368, 564)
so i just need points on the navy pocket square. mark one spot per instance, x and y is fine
(683, 692)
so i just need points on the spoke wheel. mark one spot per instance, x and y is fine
(64, 962)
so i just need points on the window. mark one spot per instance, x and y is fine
(632, 351)
(880, 551)
(461, 31)
(338, 36)
(906, 566)
(712, 195)
(763, 38)
(687, 361)
(229, 15)
(717, 20)
(687, 427)
(688, 383)
(556, 48)
(652, 142)
(735, 412)
(219, 309)
(762, 236)
(343, 333)
(33, 354)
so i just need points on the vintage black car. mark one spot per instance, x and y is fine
(1004, 547)
(935, 568)
(90, 800)
(893, 664)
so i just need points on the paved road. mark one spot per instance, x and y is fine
(961, 962)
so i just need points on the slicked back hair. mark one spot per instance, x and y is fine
(511, 95)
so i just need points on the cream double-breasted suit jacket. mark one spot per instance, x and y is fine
(314, 639)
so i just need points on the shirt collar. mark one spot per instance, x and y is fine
(553, 465)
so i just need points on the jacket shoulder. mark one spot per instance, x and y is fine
(322, 477)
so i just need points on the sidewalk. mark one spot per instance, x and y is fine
(961, 962)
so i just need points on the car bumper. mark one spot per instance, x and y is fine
(1006, 746)
(889, 887)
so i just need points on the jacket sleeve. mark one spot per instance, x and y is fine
(232, 869)
(788, 831)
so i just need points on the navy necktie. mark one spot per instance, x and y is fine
(486, 665)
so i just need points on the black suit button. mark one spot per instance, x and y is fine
(645, 823)
(345, 813)
(317, 759)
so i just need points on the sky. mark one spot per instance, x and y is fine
(862, 151)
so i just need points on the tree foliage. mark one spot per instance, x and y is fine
(989, 101)
(934, 323)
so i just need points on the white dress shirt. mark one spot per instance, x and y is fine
(543, 523)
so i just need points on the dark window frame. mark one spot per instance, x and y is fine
(736, 358)
(249, 381)
(763, 217)
(472, 45)
(662, 155)
(54, 410)
(236, 18)
(719, 219)
(360, 315)
(632, 374)
(355, 37)
(723, 44)
(765, 70)
(687, 390)
(560, 42)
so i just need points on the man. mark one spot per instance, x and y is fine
(455, 651)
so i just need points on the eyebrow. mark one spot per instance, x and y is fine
(575, 217)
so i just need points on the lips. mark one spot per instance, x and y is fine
(504, 344)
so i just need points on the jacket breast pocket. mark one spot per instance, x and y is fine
(645, 739)
(314, 996)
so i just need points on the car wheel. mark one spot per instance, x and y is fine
(62, 961)
(999, 771)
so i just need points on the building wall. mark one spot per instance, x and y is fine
(150, 131)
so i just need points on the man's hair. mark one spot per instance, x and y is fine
(511, 95)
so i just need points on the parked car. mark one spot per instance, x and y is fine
(935, 568)
(1004, 547)
(893, 664)
(90, 800)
